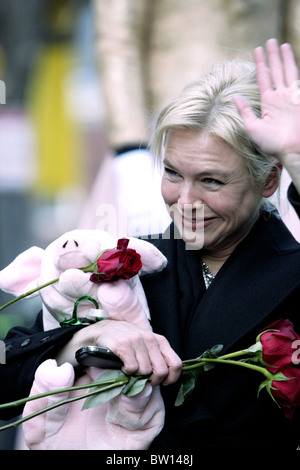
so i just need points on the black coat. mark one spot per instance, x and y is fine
(257, 285)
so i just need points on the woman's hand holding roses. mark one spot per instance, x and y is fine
(142, 351)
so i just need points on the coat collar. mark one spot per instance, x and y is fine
(262, 271)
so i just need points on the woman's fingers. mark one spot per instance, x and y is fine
(289, 64)
(152, 355)
(142, 351)
(245, 110)
(262, 72)
(172, 361)
(136, 352)
(275, 63)
(280, 68)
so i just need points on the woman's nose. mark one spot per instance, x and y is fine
(188, 197)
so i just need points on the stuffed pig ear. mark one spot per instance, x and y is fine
(22, 274)
(152, 259)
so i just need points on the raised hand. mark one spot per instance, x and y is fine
(277, 131)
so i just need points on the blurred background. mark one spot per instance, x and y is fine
(81, 81)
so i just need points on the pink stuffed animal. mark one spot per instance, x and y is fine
(123, 422)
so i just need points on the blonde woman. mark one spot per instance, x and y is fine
(232, 270)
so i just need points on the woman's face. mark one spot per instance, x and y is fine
(207, 187)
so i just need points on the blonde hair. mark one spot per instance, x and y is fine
(206, 105)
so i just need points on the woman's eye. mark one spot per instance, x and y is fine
(171, 173)
(212, 182)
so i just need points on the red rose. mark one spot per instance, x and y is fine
(287, 392)
(278, 344)
(117, 263)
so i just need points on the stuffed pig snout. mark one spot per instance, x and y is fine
(76, 249)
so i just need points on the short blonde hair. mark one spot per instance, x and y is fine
(206, 105)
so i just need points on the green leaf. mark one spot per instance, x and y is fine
(209, 366)
(134, 386)
(180, 397)
(110, 376)
(188, 385)
(211, 354)
(110, 384)
(189, 382)
(129, 385)
(102, 397)
(215, 350)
